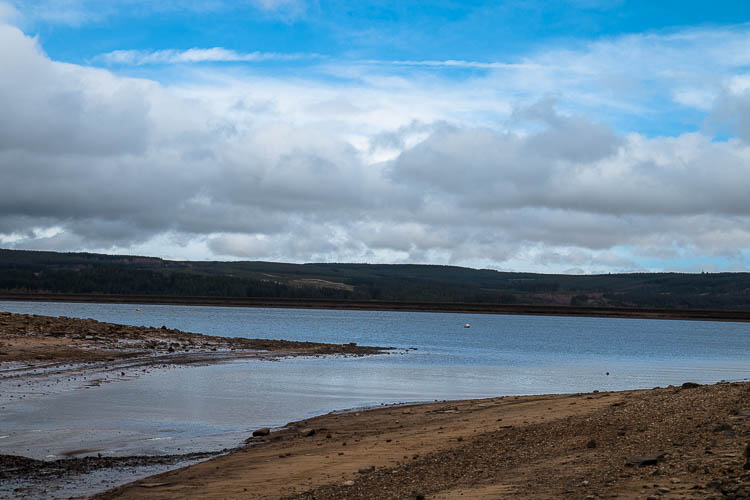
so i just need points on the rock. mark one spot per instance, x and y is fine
(152, 485)
(690, 385)
(366, 470)
(348, 483)
(591, 443)
(265, 431)
(417, 495)
(722, 428)
(307, 432)
(642, 461)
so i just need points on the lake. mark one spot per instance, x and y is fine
(211, 407)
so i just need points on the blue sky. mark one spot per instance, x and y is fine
(578, 136)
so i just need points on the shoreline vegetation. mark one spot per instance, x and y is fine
(739, 315)
(687, 441)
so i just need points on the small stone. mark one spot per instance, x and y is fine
(642, 461)
(722, 428)
(367, 470)
(265, 431)
(584, 483)
(307, 432)
(690, 385)
(663, 490)
(348, 483)
(591, 443)
(417, 495)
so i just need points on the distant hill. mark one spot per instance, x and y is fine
(86, 273)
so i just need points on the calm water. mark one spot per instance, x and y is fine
(215, 406)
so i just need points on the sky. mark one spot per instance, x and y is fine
(578, 136)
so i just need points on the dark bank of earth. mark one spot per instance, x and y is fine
(13, 467)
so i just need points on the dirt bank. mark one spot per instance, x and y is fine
(33, 339)
(676, 442)
(742, 315)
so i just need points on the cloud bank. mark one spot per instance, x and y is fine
(493, 170)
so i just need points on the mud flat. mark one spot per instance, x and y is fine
(676, 442)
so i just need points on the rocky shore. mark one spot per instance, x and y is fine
(37, 339)
(676, 442)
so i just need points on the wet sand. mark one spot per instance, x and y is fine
(675, 442)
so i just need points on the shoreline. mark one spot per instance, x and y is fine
(688, 441)
(729, 315)
(676, 442)
(41, 356)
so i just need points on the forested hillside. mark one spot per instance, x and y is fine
(86, 273)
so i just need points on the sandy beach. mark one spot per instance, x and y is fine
(675, 442)
(687, 441)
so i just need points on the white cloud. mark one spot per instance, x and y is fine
(485, 171)
(194, 55)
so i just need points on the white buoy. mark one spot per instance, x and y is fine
(467, 325)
